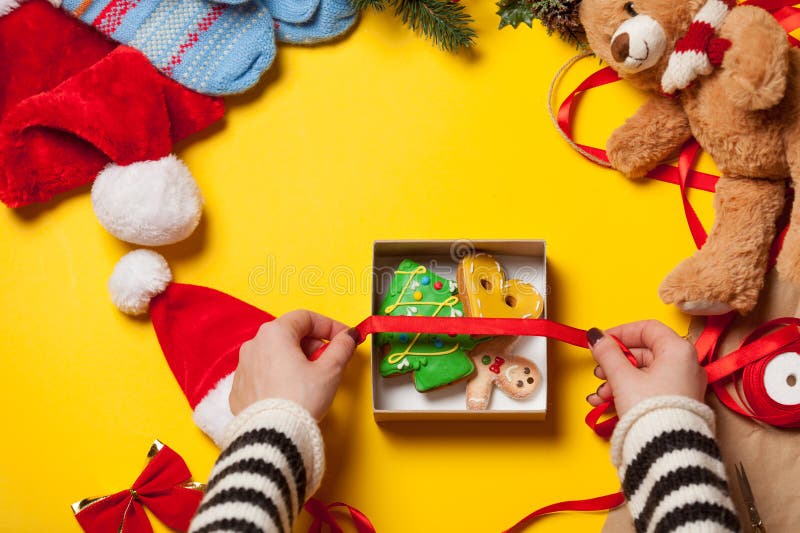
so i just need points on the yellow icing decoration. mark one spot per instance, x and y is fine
(417, 295)
(396, 357)
(487, 293)
(419, 270)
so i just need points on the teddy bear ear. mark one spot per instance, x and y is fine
(560, 16)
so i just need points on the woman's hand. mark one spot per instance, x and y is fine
(274, 364)
(667, 365)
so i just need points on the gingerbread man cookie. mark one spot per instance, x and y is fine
(485, 291)
(515, 375)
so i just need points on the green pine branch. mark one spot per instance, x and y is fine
(361, 5)
(444, 22)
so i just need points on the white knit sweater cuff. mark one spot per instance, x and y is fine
(654, 415)
(292, 420)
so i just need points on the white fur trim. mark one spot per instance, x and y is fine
(646, 45)
(137, 278)
(7, 6)
(213, 413)
(151, 203)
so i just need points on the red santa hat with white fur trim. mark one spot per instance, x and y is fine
(200, 331)
(98, 110)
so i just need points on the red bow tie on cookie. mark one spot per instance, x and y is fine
(164, 487)
(498, 362)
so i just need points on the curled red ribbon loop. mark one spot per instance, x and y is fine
(164, 487)
(605, 429)
(322, 514)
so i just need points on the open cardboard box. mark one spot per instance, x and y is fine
(395, 398)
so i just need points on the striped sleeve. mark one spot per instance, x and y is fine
(671, 468)
(272, 460)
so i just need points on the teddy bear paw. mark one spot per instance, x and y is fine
(697, 288)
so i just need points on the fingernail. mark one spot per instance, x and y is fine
(594, 335)
(355, 335)
(588, 396)
(599, 387)
(596, 369)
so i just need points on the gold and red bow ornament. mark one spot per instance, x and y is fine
(164, 487)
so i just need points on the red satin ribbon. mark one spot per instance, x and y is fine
(683, 175)
(160, 488)
(492, 326)
(322, 515)
(600, 503)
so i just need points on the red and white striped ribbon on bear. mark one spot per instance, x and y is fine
(699, 51)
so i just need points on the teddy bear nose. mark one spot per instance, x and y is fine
(620, 46)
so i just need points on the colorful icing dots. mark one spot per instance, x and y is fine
(438, 342)
(418, 295)
(426, 280)
(486, 360)
(438, 285)
(403, 337)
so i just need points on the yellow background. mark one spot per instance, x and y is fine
(380, 136)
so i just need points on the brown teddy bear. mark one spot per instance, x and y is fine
(726, 75)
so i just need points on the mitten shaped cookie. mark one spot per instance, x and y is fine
(515, 375)
(485, 291)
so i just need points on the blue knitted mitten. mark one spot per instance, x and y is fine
(211, 47)
(311, 21)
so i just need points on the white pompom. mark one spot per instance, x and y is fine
(151, 203)
(137, 278)
(7, 6)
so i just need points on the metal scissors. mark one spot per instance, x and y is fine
(756, 526)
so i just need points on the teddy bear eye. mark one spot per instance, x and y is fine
(630, 10)
(519, 383)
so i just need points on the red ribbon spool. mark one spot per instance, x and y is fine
(745, 370)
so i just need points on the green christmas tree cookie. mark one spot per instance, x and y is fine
(434, 360)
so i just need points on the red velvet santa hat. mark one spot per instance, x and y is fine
(76, 102)
(200, 331)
